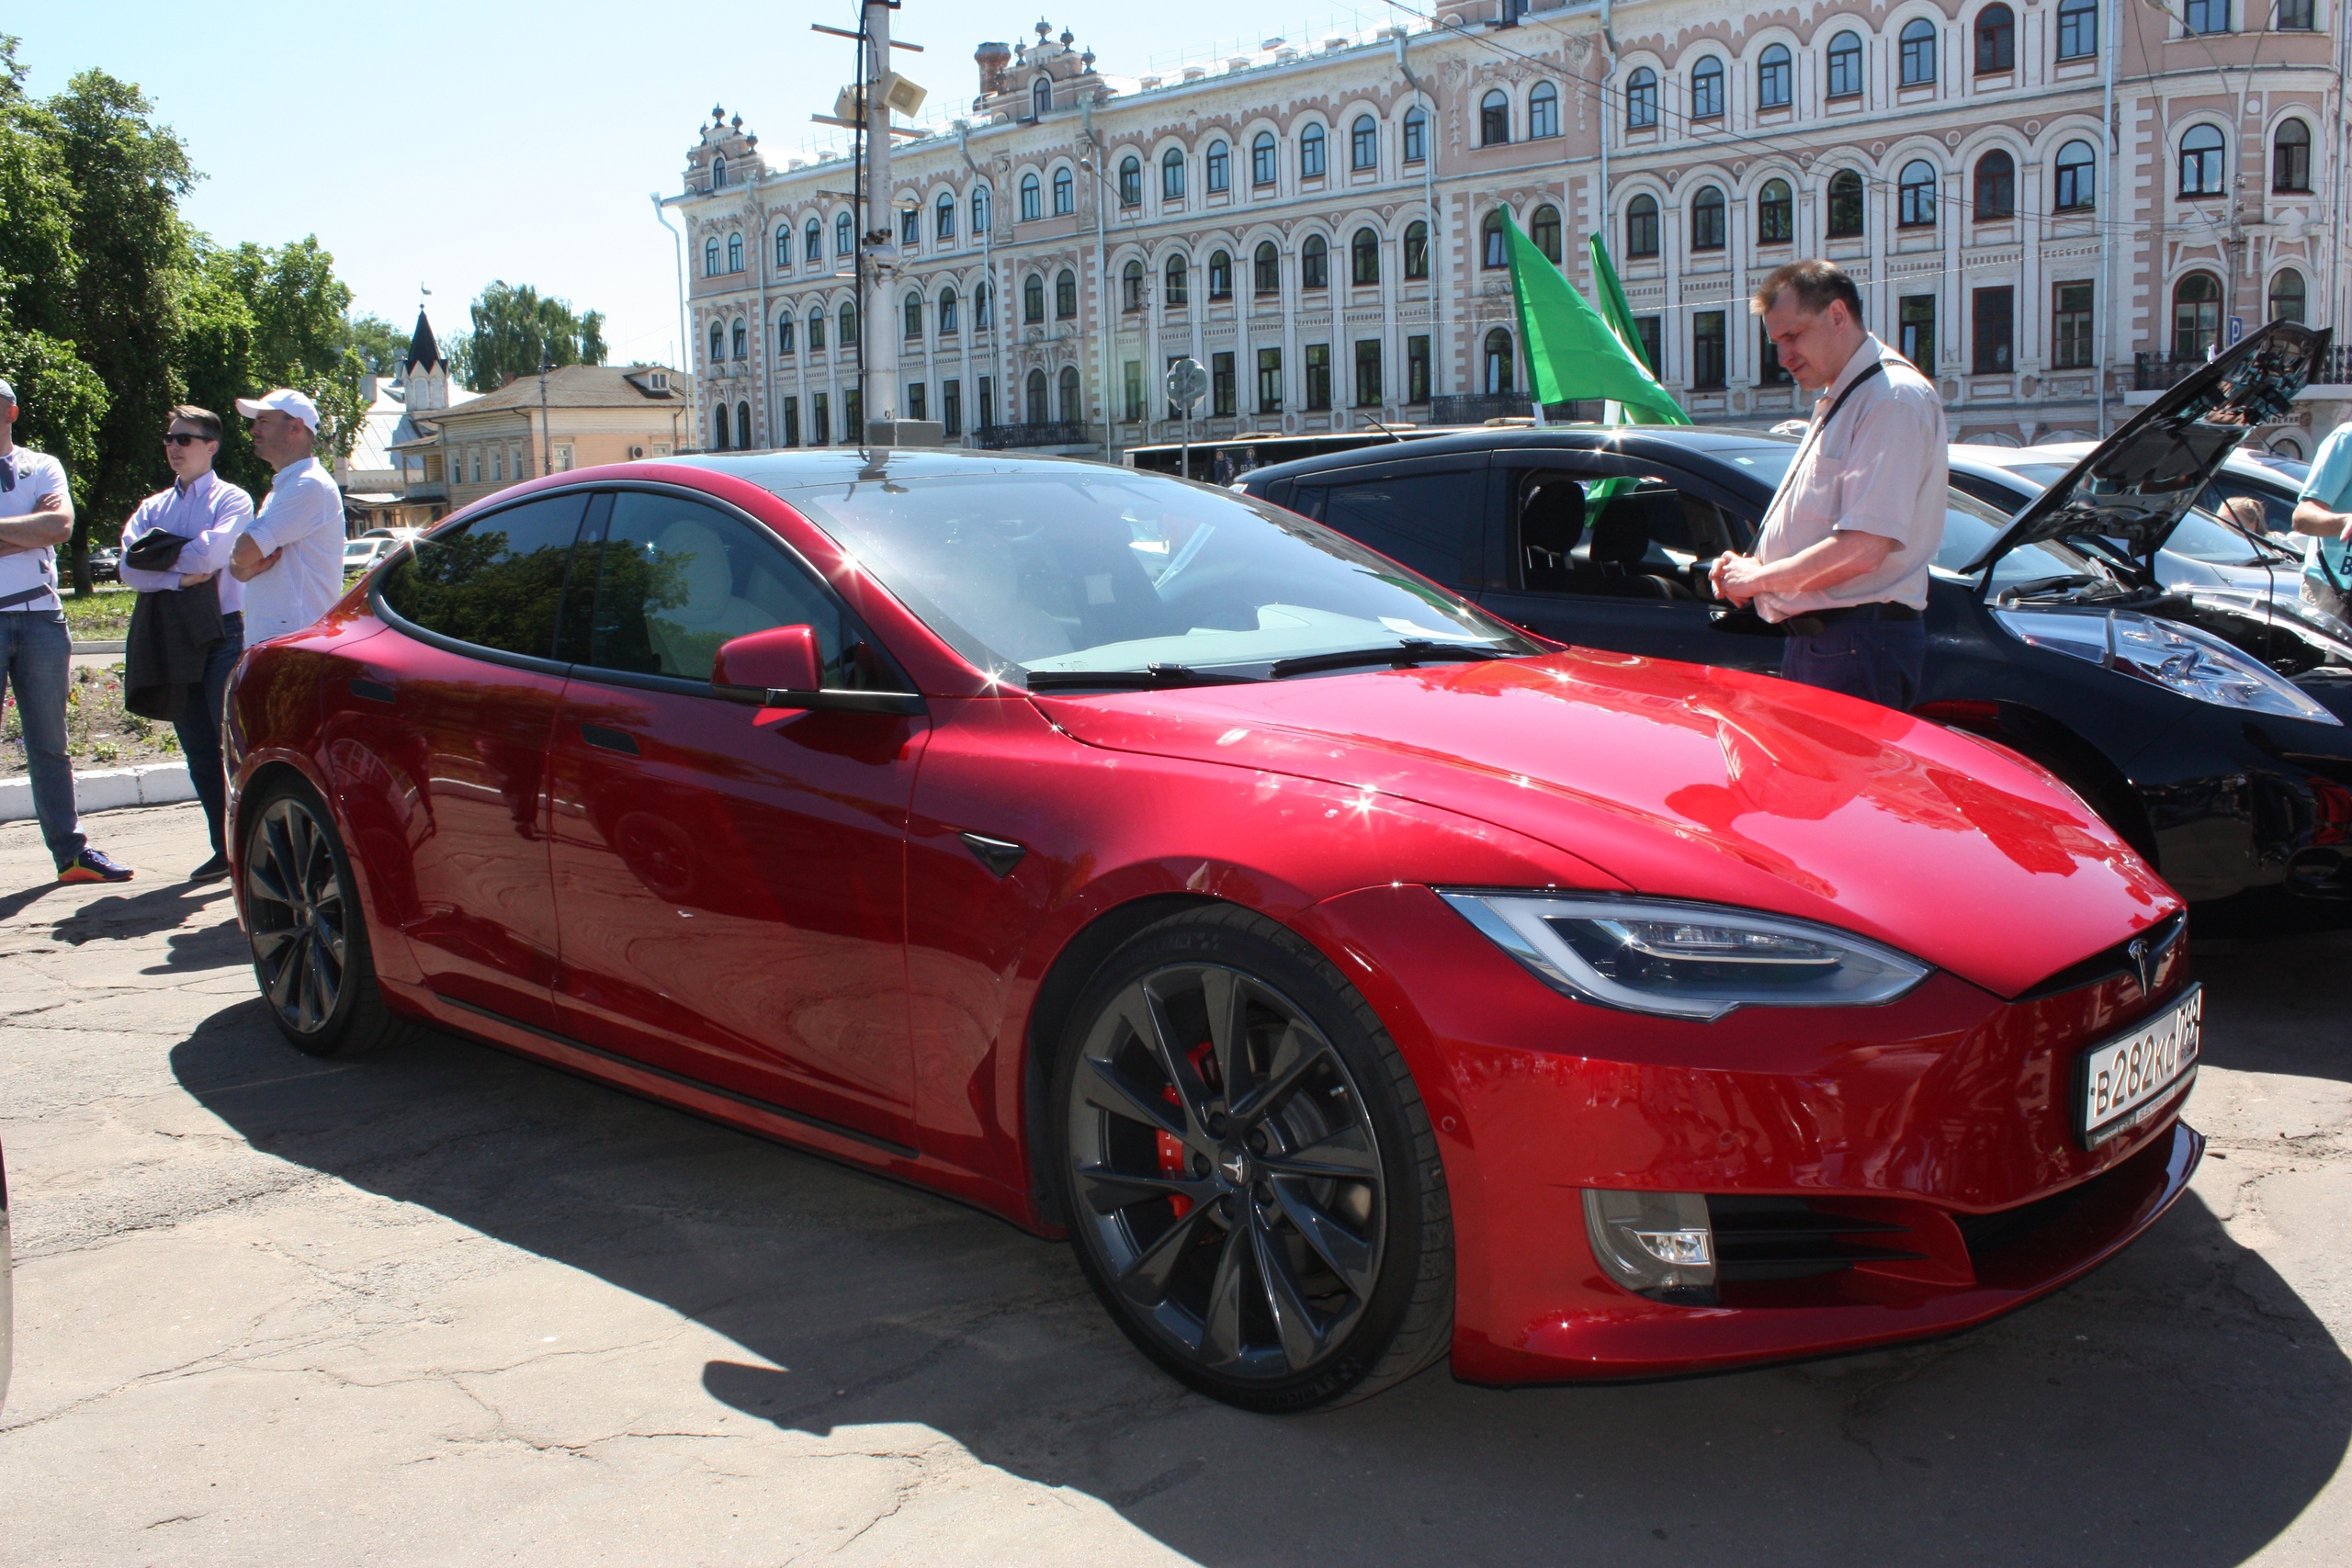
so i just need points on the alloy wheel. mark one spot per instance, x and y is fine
(1226, 1172)
(295, 913)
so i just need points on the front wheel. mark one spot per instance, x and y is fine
(1250, 1178)
(308, 938)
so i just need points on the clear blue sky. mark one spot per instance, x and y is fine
(447, 144)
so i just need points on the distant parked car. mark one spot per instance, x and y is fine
(365, 551)
(106, 565)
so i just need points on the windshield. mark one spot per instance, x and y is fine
(1104, 569)
(2199, 536)
(1970, 528)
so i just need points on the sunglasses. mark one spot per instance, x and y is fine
(184, 438)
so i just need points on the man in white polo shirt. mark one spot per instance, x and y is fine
(290, 557)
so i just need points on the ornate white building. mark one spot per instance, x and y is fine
(1319, 226)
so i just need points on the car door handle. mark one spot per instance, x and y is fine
(373, 691)
(610, 739)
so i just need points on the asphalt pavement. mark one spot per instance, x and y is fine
(449, 1306)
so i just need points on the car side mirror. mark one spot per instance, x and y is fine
(781, 658)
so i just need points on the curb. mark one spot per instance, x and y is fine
(119, 645)
(106, 789)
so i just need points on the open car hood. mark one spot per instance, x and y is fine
(2135, 486)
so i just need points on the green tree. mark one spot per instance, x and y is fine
(256, 316)
(60, 399)
(380, 344)
(514, 329)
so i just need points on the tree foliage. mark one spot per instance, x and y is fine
(380, 344)
(61, 400)
(514, 329)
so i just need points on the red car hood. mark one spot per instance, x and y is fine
(1694, 783)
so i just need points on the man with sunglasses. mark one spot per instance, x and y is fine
(207, 512)
(36, 651)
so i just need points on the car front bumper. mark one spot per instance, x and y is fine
(1931, 1141)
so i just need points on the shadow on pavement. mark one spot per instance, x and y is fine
(2181, 1406)
(121, 917)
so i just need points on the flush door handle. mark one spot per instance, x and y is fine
(609, 740)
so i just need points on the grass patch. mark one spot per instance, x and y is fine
(103, 617)
(98, 733)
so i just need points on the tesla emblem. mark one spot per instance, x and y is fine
(2144, 963)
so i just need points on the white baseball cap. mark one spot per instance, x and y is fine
(286, 401)
(7, 394)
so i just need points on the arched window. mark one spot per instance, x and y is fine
(1997, 41)
(1363, 259)
(1641, 100)
(1131, 286)
(1543, 228)
(1261, 159)
(844, 236)
(816, 329)
(1220, 276)
(849, 323)
(2291, 157)
(1216, 166)
(784, 335)
(911, 308)
(1776, 214)
(1131, 181)
(2075, 187)
(812, 242)
(1041, 96)
(1364, 145)
(1996, 186)
(2196, 315)
(1268, 268)
(1065, 193)
(1773, 74)
(911, 228)
(734, 253)
(1845, 205)
(718, 428)
(1314, 263)
(1707, 227)
(2287, 295)
(1310, 152)
(2077, 28)
(1039, 413)
(710, 256)
(741, 340)
(1845, 66)
(980, 213)
(983, 307)
(1496, 363)
(1417, 252)
(784, 249)
(2200, 161)
(1171, 175)
(718, 174)
(942, 226)
(1073, 406)
(1542, 111)
(717, 342)
(1065, 295)
(947, 322)
(1494, 119)
(744, 426)
(1033, 298)
(1176, 287)
(1914, 192)
(1641, 226)
(1918, 52)
(1707, 89)
(1031, 206)
(1494, 249)
(1417, 135)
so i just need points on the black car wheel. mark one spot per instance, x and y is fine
(1249, 1176)
(309, 941)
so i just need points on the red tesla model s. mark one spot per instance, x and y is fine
(1354, 979)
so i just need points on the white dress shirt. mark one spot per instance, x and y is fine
(207, 511)
(302, 516)
(36, 474)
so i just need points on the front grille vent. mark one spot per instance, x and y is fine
(1986, 1235)
(1789, 1238)
(2112, 961)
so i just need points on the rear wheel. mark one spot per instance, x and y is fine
(1251, 1182)
(310, 941)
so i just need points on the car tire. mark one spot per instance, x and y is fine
(1260, 1204)
(303, 922)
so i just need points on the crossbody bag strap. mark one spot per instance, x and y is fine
(1816, 434)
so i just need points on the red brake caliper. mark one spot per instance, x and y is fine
(1172, 1158)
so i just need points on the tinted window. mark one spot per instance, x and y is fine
(2278, 505)
(1427, 520)
(496, 581)
(1578, 532)
(675, 579)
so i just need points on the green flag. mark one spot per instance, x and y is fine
(1571, 352)
(1620, 317)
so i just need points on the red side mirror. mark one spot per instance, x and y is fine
(780, 659)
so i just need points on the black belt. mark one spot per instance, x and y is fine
(1819, 621)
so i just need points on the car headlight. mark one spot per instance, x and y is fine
(2178, 658)
(1695, 960)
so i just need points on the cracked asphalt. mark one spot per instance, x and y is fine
(447, 1306)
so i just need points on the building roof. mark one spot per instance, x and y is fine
(423, 353)
(586, 386)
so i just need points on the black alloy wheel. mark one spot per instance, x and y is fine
(302, 917)
(1250, 1177)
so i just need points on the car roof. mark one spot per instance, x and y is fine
(2066, 453)
(1712, 441)
(799, 469)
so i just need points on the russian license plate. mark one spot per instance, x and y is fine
(2125, 1079)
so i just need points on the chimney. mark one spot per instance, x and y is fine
(992, 58)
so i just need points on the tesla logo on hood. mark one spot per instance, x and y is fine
(2144, 963)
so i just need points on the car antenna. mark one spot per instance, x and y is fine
(1384, 429)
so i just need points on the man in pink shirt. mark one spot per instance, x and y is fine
(207, 512)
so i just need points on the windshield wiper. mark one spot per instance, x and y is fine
(1146, 678)
(2040, 585)
(1413, 650)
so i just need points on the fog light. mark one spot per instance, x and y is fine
(1655, 1244)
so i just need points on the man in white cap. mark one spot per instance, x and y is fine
(36, 651)
(290, 557)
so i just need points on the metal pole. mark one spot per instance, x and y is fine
(2117, 234)
(662, 216)
(546, 452)
(876, 328)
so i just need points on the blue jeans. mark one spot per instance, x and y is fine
(198, 727)
(1878, 661)
(36, 664)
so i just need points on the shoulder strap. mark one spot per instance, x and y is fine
(1877, 367)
